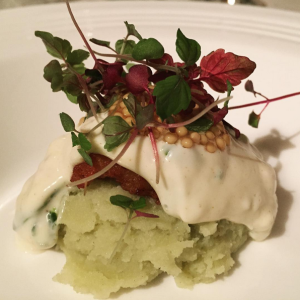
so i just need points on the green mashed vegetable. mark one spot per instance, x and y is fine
(92, 226)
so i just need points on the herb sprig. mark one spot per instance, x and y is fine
(171, 87)
(130, 207)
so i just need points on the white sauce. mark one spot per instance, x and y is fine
(195, 186)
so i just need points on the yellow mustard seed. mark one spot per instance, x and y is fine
(186, 142)
(195, 136)
(126, 112)
(156, 133)
(181, 131)
(226, 138)
(129, 120)
(210, 135)
(216, 131)
(220, 143)
(210, 147)
(170, 138)
(203, 139)
(122, 104)
(118, 114)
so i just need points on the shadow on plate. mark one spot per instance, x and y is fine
(271, 146)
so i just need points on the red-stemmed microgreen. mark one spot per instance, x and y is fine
(156, 87)
(131, 207)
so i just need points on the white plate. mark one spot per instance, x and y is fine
(29, 121)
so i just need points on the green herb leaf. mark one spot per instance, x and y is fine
(83, 103)
(172, 95)
(229, 90)
(53, 73)
(55, 46)
(76, 57)
(75, 140)
(120, 200)
(85, 156)
(132, 31)
(80, 68)
(130, 103)
(72, 98)
(84, 142)
(71, 85)
(116, 131)
(67, 122)
(100, 42)
(128, 47)
(141, 203)
(144, 116)
(188, 50)
(148, 49)
(254, 120)
(200, 125)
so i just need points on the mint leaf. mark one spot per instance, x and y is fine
(116, 131)
(132, 31)
(254, 120)
(85, 156)
(130, 103)
(71, 85)
(144, 116)
(200, 125)
(128, 47)
(55, 46)
(76, 57)
(141, 203)
(67, 122)
(100, 42)
(172, 95)
(84, 142)
(120, 200)
(188, 50)
(75, 141)
(148, 49)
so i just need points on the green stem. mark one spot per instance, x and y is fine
(122, 237)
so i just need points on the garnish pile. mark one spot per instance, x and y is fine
(155, 91)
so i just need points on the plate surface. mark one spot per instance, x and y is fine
(29, 121)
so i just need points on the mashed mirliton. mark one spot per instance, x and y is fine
(91, 227)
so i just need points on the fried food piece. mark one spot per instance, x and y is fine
(128, 180)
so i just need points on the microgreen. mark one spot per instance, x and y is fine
(132, 31)
(116, 132)
(148, 49)
(100, 42)
(132, 207)
(67, 122)
(55, 46)
(188, 50)
(201, 125)
(173, 94)
(175, 84)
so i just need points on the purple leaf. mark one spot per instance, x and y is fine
(137, 79)
(166, 59)
(220, 115)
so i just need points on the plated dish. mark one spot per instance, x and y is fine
(244, 118)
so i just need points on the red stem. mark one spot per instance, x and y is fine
(265, 101)
(80, 32)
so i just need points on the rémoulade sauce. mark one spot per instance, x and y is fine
(195, 185)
